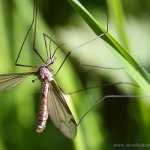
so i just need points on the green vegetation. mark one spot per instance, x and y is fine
(115, 121)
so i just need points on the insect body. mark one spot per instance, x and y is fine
(52, 99)
(45, 76)
(54, 104)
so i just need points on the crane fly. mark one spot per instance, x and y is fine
(52, 101)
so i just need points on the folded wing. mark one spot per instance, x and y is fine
(59, 111)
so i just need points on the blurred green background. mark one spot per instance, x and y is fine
(115, 121)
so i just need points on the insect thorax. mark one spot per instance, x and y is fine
(44, 72)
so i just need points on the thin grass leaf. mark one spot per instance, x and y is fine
(117, 14)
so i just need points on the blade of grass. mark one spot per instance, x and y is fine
(137, 72)
(117, 14)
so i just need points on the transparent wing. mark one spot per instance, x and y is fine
(59, 111)
(8, 81)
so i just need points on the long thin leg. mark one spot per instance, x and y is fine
(103, 85)
(101, 67)
(33, 20)
(77, 48)
(34, 40)
(107, 97)
(63, 63)
(81, 46)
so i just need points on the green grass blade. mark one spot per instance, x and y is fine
(116, 12)
(134, 69)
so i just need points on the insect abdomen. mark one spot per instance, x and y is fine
(43, 112)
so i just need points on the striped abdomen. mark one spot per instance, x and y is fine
(43, 112)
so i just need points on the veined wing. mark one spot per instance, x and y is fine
(8, 81)
(59, 111)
